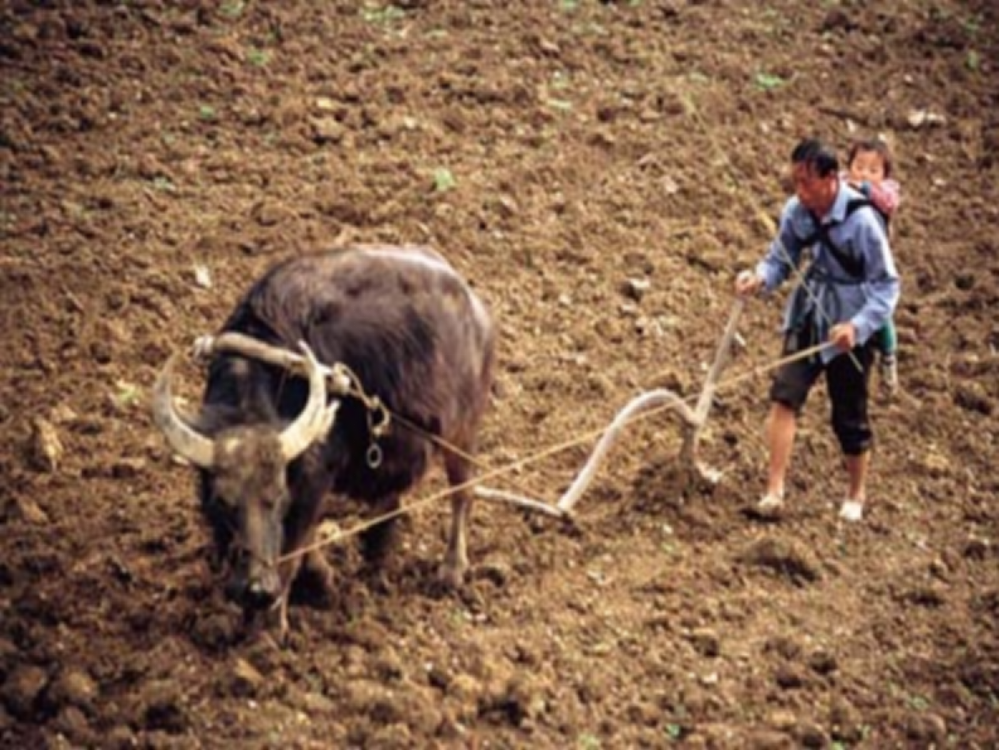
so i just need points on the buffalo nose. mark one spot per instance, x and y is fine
(259, 596)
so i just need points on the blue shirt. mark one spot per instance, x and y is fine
(867, 302)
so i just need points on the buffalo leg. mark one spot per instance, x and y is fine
(319, 572)
(307, 570)
(377, 541)
(279, 612)
(452, 571)
(314, 579)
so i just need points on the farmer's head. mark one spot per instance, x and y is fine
(815, 175)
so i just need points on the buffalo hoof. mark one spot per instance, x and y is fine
(314, 583)
(377, 579)
(451, 577)
(264, 629)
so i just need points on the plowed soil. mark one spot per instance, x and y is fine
(599, 171)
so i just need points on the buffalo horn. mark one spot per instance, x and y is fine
(185, 441)
(315, 418)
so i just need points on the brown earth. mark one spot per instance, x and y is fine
(155, 157)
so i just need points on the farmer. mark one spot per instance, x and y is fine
(846, 295)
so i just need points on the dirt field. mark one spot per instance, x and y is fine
(600, 171)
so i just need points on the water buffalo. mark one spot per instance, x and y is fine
(270, 445)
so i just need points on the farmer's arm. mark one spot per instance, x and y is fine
(781, 256)
(883, 284)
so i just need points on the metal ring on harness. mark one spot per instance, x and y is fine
(379, 419)
(374, 456)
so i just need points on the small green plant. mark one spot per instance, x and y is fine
(674, 732)
(382, 15)
(207, 113)
(126, 394)
(919, 703)
(444, 180)
(973, 61)
(973, 25)
(560, 80)
(233, 8)
(258, 57)
(768, 81)
(588, 741)
(15, 85)
(460, 617)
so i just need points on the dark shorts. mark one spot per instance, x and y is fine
(847, 381)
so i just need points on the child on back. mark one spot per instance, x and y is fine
(869, 169)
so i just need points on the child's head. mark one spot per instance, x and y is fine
(869, 161)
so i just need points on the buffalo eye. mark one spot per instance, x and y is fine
(276, 498)
(224, 498)
(226, 490)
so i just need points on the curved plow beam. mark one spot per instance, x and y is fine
(527, 503)
(563, 508)
(637, 404)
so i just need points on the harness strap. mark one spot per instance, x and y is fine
(853, 265)
(814, 273)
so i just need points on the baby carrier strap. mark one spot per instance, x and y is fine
(853, 265)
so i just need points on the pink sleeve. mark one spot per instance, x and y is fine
(886, 196)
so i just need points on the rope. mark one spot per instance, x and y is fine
(552, 450)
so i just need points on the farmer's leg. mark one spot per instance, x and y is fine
(780, 431)
(848, 380)
(856, 469)
(788, 394)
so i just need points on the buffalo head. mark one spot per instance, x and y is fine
(245, 470)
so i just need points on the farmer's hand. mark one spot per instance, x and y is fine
(747, 284)
(843, 336)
